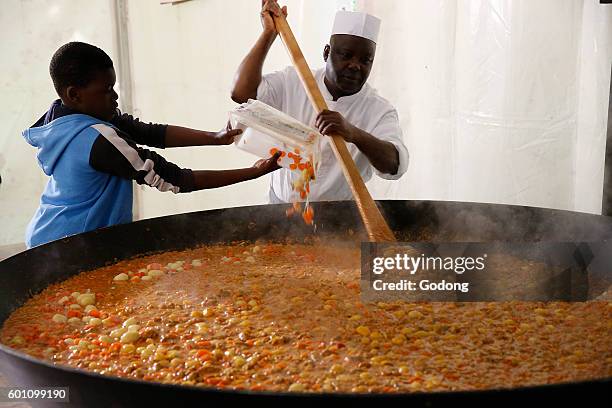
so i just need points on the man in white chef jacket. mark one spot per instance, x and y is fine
(367, 122)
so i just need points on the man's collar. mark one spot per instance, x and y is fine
(328, 96)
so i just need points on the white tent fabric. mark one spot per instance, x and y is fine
(500, 100)
(31, 31)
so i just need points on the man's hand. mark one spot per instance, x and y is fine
(269, 8)
(382, 154)
(330, 122)
(265, 166)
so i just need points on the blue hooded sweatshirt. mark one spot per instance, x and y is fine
(77, 197)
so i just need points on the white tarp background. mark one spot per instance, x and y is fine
(31, 31)
(500, 101)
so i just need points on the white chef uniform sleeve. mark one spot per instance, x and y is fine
(389, 130)
(272, 87)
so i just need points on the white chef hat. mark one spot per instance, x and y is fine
(356, 23)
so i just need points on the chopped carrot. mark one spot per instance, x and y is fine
(212, 381)
(74, 313)
(308, 215)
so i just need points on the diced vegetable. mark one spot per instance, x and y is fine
(58, 318)
(129, 337)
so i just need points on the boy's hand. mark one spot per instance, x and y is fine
(269, 7)
(225, 136)
(265, 166)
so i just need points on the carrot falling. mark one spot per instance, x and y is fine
(302, 184)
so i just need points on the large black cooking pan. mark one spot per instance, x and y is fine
(33, 270)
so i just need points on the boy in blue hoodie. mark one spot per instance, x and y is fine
(89, 150)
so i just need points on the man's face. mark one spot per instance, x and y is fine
(349, 61)
(97, 98)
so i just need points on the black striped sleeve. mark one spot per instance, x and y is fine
(120, 157)
(149, 134)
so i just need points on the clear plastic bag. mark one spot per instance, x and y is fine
(267, 130)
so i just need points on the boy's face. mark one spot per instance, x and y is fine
(97, 98)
